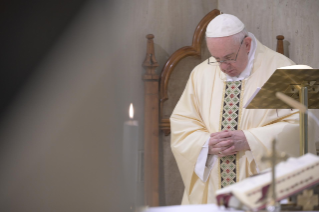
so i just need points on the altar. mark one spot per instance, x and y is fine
(191, 208)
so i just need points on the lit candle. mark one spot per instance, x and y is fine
(130, 157)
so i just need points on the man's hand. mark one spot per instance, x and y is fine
(227, 143)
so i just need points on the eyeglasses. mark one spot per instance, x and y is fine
(230, 60)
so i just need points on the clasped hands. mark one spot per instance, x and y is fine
(227, 143)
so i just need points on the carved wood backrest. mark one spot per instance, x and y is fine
(163, 183)
(196, 50)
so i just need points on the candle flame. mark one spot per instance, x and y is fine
(131, 111)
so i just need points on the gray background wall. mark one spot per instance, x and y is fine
(297, 20)
(63, 135)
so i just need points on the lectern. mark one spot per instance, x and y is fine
(300, 84)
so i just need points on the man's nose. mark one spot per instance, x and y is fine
(224, 65)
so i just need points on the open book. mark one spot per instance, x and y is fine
(292, 176)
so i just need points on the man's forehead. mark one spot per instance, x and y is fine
(222, 40)
(221, 47)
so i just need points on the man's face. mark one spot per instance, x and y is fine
(226, 48)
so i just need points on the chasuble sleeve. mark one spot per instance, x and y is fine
(286, 132)
(205, 162)
(188, 133)
(267, 124)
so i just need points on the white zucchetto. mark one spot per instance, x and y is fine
(224, 25)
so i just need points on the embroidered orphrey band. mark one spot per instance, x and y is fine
(230, 121)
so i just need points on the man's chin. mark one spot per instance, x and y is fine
(232, 74)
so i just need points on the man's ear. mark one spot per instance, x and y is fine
(247, 43)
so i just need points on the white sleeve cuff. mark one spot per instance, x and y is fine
(250, 158)
(205, 163)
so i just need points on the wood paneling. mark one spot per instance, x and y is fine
(280, 44)
(151, 128)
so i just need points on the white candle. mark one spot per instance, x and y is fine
(130, 157)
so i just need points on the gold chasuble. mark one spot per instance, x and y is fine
(210, 104)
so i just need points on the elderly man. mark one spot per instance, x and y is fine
(216, 142)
